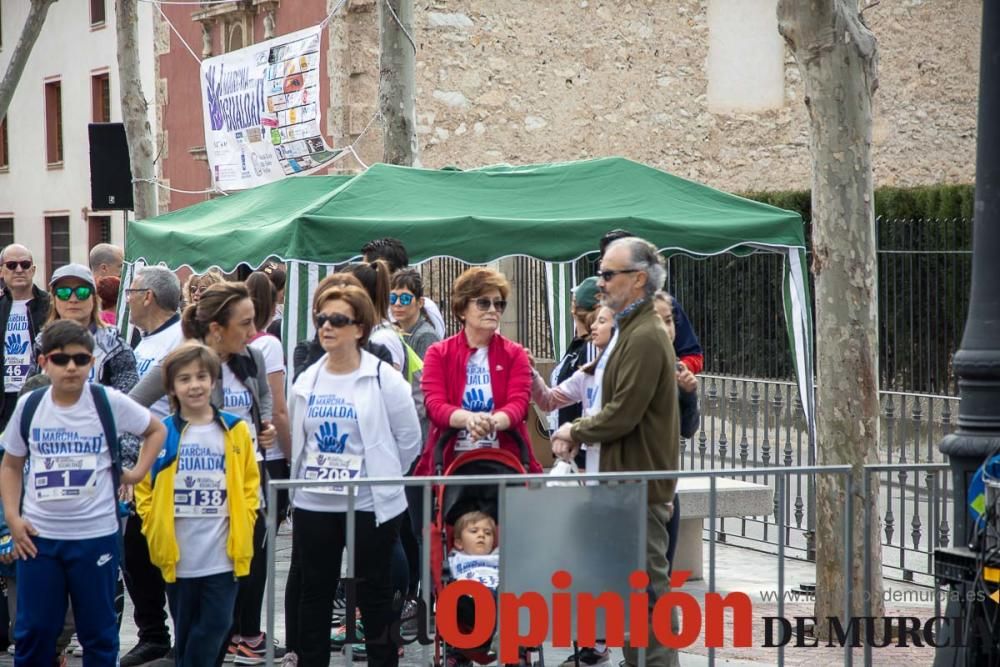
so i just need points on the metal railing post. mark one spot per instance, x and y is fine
(272, 538)
(349, 619)
(849, 568)
(779, 480)
(712, 509)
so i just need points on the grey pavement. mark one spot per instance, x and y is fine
(737, 570)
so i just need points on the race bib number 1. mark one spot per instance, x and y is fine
(62, 477)
(332, 467)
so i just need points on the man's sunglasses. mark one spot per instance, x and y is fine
(610, 273)
(337, 321)
(25, 264)
(83, 292)
(402, 299)
(62, 359)
(483, 304)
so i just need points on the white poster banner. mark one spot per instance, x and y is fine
(262, 111)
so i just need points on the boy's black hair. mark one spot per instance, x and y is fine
(63, 333)
(389, 249)
(613, 236)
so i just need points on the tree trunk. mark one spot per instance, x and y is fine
(397, 89)
(134, 110)
(837, 57)
(18, 59)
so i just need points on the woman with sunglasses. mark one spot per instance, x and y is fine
(308, 352)
(197, 284)
(477, 380)
(351, 416)
(74, 297)
(406, 305)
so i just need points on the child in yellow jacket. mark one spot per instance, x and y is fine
(198, 506)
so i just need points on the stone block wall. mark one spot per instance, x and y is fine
(522, 81)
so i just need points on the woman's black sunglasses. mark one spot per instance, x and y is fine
(337, 321)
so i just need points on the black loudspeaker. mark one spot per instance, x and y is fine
(110, 169)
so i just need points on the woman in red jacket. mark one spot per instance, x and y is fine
(477, 381)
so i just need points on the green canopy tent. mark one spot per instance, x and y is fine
(552, 212)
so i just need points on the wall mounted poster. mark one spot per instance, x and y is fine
(262, 111)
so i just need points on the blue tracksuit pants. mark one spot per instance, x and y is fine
(84, 571)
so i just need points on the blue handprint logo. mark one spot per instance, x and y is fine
(328, 440)
(214, 92)
(475, 401)
(14, 345)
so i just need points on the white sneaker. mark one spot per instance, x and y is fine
(10, 649)
(290, 660)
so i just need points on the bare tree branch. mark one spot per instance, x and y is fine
(29, 34)
(873, 3)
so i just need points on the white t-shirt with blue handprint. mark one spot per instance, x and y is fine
(477, 397)
(17, 348)
(333, 450)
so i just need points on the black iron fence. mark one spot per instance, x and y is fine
(747, 424)
(924, 276)
(735, 304)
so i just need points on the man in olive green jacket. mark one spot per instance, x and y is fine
(638, 425)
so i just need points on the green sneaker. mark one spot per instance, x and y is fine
(339, 636)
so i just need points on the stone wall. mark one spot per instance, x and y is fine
(523, 81)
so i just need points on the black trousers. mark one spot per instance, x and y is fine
(278, 469)
(318, 541)
(250, 598)
(144, 582)
(7, 409)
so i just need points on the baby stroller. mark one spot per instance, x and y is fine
(450, 503)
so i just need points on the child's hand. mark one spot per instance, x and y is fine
(267, 436)
(22, 531)
(126, 493)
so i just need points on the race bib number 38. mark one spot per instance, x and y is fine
(332, 467)
(62, 477)
(199, 495)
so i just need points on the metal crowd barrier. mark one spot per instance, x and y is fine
(780, 475)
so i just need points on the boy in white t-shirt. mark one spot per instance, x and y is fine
(66, 532)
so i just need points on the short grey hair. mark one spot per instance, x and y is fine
(644, 257)
(164, 285)
(105, 253)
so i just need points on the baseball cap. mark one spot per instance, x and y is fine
(73, 271)
(586, 294)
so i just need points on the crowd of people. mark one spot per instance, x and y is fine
(142, 465)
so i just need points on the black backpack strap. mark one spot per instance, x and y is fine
(378, 374)
(30, 408)
(107, 417)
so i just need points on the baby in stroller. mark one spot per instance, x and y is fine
(474, 556)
